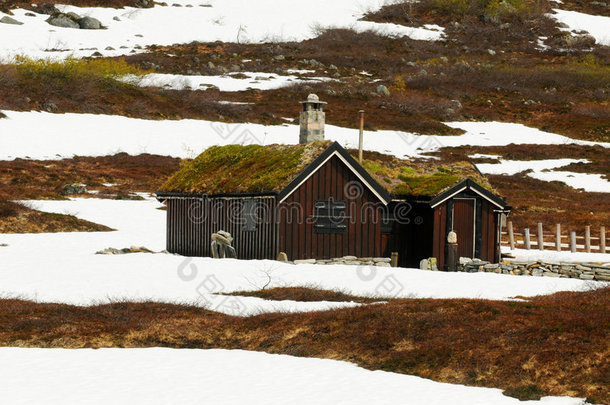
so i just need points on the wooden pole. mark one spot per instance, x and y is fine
(526, 236)
(602, 239)
(540, 237)
(394, 259)
(558, 238)
(588, 239)
(361, 137)
(511, 235)
(573, 242)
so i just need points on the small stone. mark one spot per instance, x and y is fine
(382, 260)
(382, 90)
(349, 258)
(587, 277)
(10, 21)
(537, 273)
(383, 264)
(282, 257)
(305, 261)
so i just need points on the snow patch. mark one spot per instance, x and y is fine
(156, 376)
(596, 25)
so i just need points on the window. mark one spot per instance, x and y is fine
(250, 215)
(330, 216)
(387, 221)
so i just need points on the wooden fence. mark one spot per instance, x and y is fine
(538, 240)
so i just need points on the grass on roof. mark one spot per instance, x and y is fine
(243, 169)
(419, 177)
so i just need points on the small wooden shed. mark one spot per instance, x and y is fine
(315, 201)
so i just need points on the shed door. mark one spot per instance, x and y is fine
(464, 225)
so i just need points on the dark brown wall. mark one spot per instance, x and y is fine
(362, 238)
(191, 222)
(486, 229)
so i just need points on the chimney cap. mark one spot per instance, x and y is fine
(313, 98)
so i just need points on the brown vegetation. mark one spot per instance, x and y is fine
(32, 179)
(550, 345)
(302, 294)
(47, 7)
(19, 218)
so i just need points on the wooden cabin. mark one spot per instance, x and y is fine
(313, 200)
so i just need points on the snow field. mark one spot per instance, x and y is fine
(209, 21)
(158, 376)
(542, 170)
(41, 136)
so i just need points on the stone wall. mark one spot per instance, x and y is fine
(583, 271)
(350, 260)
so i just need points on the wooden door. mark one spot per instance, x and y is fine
(464, 225)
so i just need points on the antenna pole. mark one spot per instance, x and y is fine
(361, 139)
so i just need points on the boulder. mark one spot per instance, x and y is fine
(9, 20)
(382, 90)
(75, 188)
(63, 21)
(90, 23)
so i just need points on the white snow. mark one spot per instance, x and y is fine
(541, 170)
(62, 267)
(555, 256)
(596, 25)
(225, 20)
(41, 135)
(586, 181)
(511, 167)
(253, 80)
(156, 376)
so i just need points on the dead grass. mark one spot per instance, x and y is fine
(303, 294)
(19, 218)
(551, 345)
(30, 179)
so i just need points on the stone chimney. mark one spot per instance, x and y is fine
(312, 120)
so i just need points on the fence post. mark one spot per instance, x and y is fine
(540, 237)
(558, 238)
(573, 242)
(588, 239)
(511, 235)
(526, 236)
(602, 239)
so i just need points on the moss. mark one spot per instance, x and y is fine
(427, 184)
(243, 169)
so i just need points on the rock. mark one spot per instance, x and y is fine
(424, 264)
(210, 65)
(350, 258)
(63, 21)
(382, 90)
(382, 260)
(537, 272)
(73, 16)
(30, 15)
(491, 266)
(587, 277)
(9, 20)
(382, 264)
(279, 58)
(109, 48)
(115, 18)
(332, 67)
(491, 52)
(305, 261)
(353, 262)
(75, 188)
(444, 59)
(3, 245)
(90, 23)
(465, 260)
(550, 274)
(282, 257)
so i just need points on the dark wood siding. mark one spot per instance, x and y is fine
(191, 222)
(456, 214)
(334, 180)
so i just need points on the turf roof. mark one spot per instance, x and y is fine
(235, 169)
